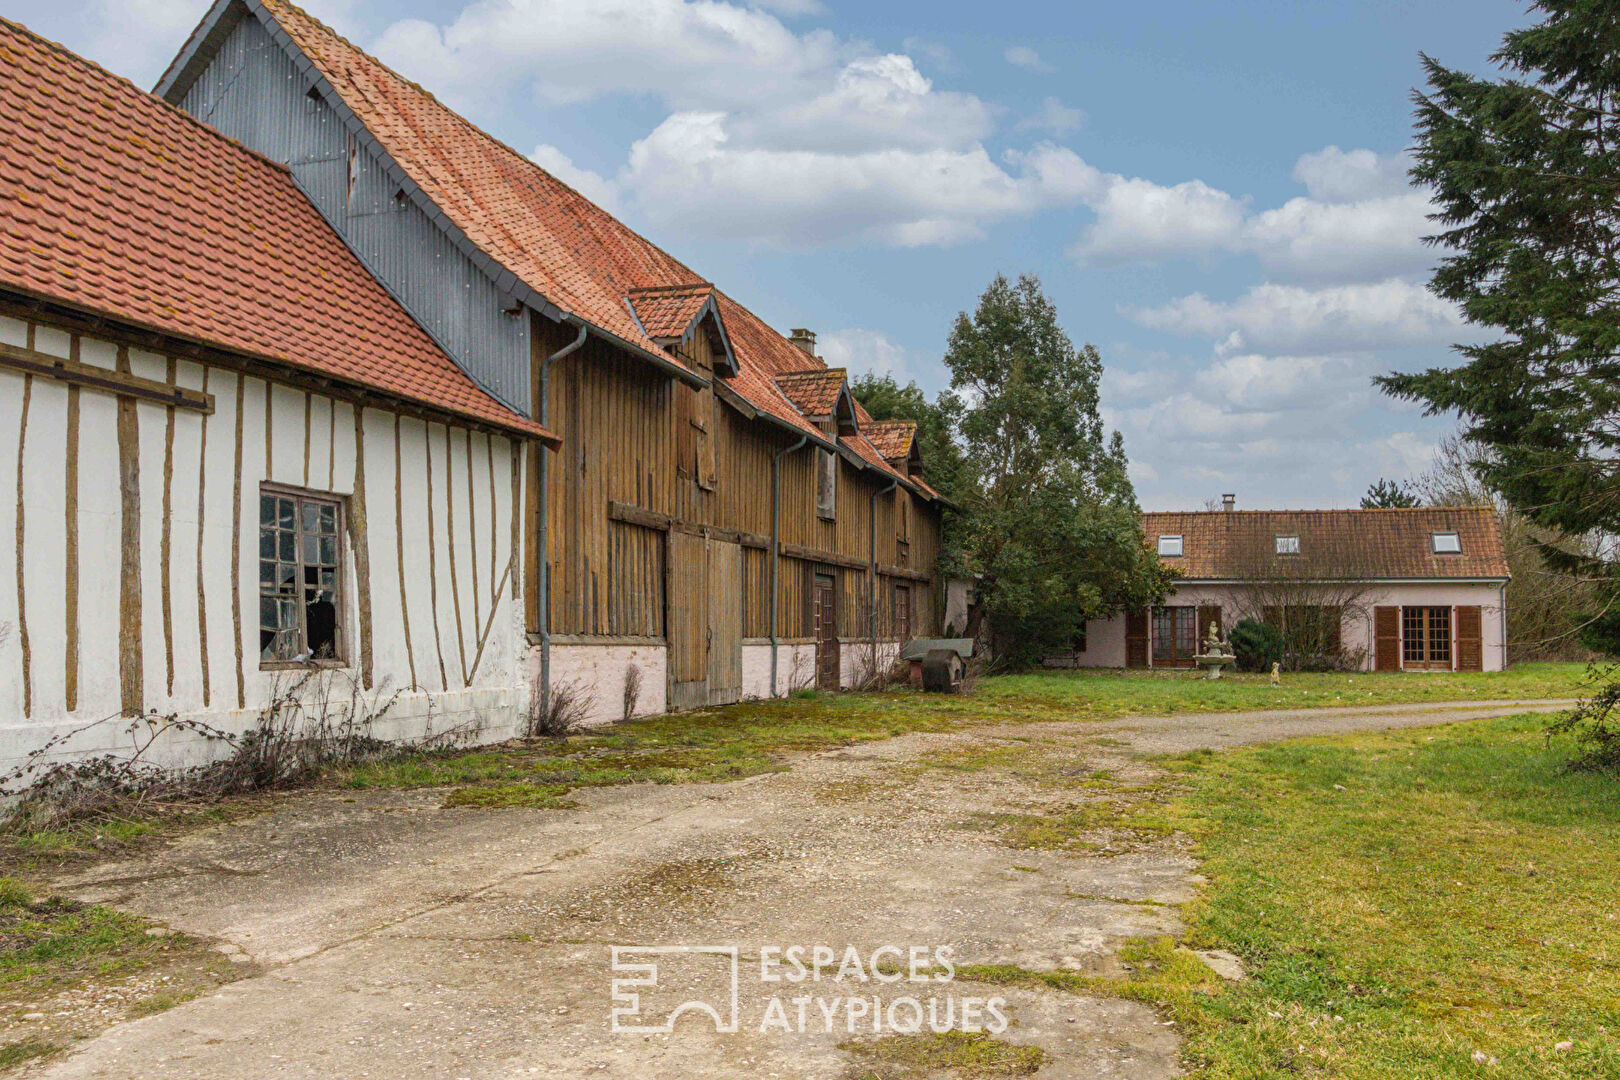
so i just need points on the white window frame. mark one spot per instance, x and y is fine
(1171, 546)
(1288, 543)
(1436, 539)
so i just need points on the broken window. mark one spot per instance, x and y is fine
(300, 563)
(826, 484)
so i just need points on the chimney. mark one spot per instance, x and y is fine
(1228, 501)
(804, 339)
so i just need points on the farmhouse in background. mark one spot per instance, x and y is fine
(229, 452)
(1387, 590)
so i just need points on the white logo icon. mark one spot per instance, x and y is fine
(627, 1017)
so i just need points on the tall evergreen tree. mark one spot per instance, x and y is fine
(1526, 173)
(1388, 495)
(1051, 522)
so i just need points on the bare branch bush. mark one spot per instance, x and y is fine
(632, 690)
(314, 719)
(1307, 598)
(562, 711)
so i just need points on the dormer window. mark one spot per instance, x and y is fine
(1288, 544)
(1170, 547)
(1445, 543)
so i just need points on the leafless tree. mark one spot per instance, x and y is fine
(1308, 596)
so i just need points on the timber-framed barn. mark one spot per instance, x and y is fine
(385, 396)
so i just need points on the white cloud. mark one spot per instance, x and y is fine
(689, 176)
(1053, 117)
(1138, 219)
(593, 186)
(937, 52)
(1332, 175)
(863, 351)
(1027, 58)
(1360, 222)
(138, 38)
(1287, 318)
(792, 8)
(1404, 453)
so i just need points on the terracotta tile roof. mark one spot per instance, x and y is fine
(668, 311)
(814, 390)
(893, 438)
(573, 253)
(1333, 544)
(115, 203)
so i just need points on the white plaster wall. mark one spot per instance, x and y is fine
(958, 599)
(600, 672)
(1106, 638)
(463, 662)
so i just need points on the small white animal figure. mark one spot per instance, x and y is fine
(1276, 673)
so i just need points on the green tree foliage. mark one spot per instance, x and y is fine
(1388, 495)
(1258, 645)
(1050, 521)
(886, 399)
(1527, 176)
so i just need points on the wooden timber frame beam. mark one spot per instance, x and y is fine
(113, 381)
(119, 332)
(652, 519)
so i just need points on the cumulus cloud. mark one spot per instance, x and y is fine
(1054, 118)
(138, 38)
(1358, 222)
(869, 351)
(1027, 58)
(1289, 318)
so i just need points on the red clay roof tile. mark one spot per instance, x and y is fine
(116, 203)
(1333, 544)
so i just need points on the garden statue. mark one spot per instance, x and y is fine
(1217, 654)
(1276, 673)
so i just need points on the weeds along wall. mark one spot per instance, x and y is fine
(130, 534)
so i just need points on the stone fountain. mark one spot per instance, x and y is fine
(1217, 654)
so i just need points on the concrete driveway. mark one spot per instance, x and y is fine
(399, 939)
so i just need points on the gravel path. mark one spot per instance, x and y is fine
(399, 939)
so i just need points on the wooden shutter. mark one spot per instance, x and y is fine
(1209, 613)
(1387, 638)
(1470, 646)
(1136, 638)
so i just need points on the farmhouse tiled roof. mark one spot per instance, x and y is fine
(814, 390)
(574, 254)
(892, 438)
(668, 311)
(1223, 545)
(114, 203)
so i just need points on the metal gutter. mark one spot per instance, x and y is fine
(871, 573)
(776, 540)
(542, 585)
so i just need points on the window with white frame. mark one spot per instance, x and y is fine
(1446, 543)
(1288, 544)
(300, 576)
(1170, 546)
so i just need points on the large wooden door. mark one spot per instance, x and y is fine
(725, 622)
(687, 619)
(1387, 638)
(1175, 636)
(1426, 638)
(1136, 638)
(1470, 639)
(824, 625)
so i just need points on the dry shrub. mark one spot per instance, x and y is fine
(632, 690)
(564, 711)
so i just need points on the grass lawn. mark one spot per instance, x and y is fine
(1440, 902)
(755, 737)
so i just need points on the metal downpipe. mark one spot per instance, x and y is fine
(776, 539)
(872, 574)
(542, 585)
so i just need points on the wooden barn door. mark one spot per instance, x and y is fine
(1136, 638)
(1387, 638)
(725, 622)
(1470, 639)
(824, 625)
(687, 618)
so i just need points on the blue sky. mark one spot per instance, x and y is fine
(1213, 194)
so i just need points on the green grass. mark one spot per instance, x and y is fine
(46, 944)
(13, 1054)
(1403, 900)
(969, 1056)
(739, 741)
(1101, 694)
